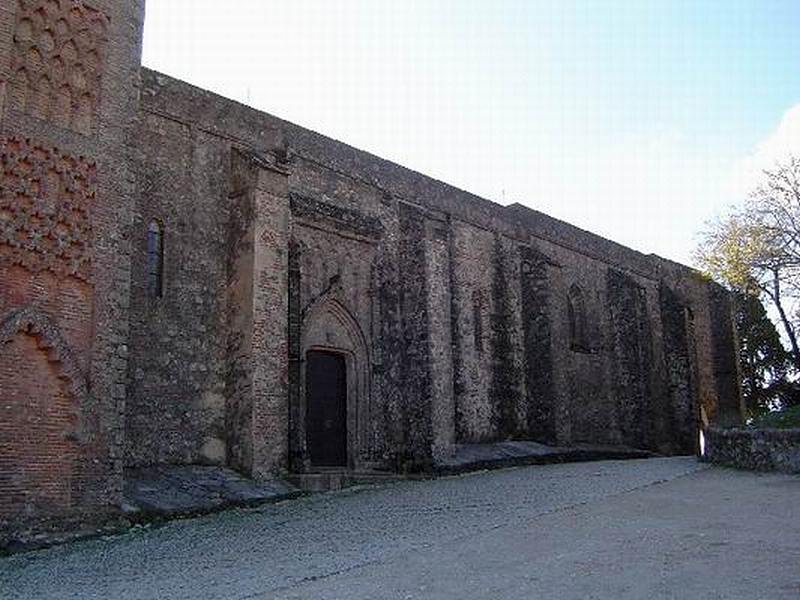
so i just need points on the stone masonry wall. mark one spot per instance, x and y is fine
(507, 383)
(632, 345)
(715, 382)
(472, 307)
(177, 371)
(756, 449)
(680, 358)
(415, 449)
(537, 331)
(456, 314)
(238, 384)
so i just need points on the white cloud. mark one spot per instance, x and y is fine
(777, 147)
(650, 191)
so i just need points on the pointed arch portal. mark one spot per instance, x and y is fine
(334, 394)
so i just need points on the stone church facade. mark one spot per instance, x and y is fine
(185, 280)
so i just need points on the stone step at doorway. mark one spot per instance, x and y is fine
(337, 479)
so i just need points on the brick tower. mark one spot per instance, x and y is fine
(69, 72)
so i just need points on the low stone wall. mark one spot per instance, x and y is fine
(756, 449)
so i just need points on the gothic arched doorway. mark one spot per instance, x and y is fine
(333, 414)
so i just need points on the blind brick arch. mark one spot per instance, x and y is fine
(42, 389)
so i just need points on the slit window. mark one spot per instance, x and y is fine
(155, 259)
(577, 320)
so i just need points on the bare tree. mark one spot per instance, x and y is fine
(756, 249)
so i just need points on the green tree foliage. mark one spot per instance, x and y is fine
(764, 361)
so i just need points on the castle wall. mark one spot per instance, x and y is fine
(458, 315)
(168, 259)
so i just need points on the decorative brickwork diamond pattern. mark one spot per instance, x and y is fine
(59, 53)
(45, 199)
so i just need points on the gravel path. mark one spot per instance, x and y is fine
(502, 534)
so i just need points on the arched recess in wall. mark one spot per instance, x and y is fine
(41, 98)
(19, 90)
(576, 313)
(44, 390)
(329, 326)
(155, 259)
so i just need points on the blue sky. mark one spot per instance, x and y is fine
(636, 120)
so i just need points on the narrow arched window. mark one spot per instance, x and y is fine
(477, 318)
(577, 320)
(155, 259)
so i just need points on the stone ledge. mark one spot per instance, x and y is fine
(169, 491)
(151, 495)
(469, 457)
(38, 533)
(754, 449)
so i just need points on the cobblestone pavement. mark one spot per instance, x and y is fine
(658, 528)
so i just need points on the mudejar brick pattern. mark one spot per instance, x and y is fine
(454, 320)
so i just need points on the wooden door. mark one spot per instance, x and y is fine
(326, 409)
